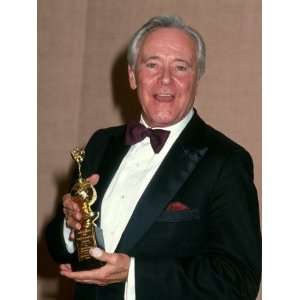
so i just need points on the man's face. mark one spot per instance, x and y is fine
(165, 76)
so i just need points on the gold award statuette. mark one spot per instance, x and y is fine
(85, 195)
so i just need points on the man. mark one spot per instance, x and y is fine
(178, 207)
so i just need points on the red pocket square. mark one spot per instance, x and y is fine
(177, 206)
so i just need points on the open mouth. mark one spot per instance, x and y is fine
(164, 97)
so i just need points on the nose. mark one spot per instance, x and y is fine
(165, 76)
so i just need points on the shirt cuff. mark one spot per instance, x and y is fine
(69, 244)
(129, 293)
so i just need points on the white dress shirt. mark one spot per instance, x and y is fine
(128, 184)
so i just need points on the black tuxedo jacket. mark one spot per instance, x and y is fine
(211, 251)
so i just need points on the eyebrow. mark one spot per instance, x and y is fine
(184, 61)
(157, 57)
(150, 57)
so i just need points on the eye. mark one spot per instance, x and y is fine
(181, 68)
(151, 65)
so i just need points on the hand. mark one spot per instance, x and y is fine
(115, 270)
(72, 210)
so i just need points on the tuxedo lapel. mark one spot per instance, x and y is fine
(112, 158)
(171, 175)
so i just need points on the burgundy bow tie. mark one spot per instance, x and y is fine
(136, 132)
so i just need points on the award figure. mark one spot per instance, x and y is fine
(85, 195)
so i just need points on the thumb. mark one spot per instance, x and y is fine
(99, 254)
(93, 179)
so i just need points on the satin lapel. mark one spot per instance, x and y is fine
(112, 158)
(171, 175)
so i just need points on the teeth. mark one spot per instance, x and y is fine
(164, 97)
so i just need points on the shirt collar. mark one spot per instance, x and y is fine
(175, 129)
(179, 126)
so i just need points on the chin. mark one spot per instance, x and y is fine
(163, 121)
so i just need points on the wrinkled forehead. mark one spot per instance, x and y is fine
(163, 38)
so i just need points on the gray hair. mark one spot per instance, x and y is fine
(166, 22)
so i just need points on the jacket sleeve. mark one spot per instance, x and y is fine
(228, 266)
(55, 240)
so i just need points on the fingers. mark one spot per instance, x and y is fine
(100, 276)
(72, 235)
(89, 277)
(101, 283)
(101, 255)
(69, 205)
(72, 212)
(73, 223)
(93, 179)
(115, 270)
(119, 260)
(117, 264)
(65, 267)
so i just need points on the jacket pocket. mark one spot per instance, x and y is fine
(179, 216)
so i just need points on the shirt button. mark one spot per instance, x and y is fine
(122, 196)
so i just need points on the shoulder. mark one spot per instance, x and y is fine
(200, 134)
(106, 133)
(227, 151)
(101, 137)
(97, 146)
(220, 143)
(220, 149)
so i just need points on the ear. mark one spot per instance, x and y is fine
(131, 77)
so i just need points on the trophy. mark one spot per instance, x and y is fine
(85, 195)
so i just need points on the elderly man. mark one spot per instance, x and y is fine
(178, 206)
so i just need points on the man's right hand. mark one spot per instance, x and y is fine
(72, 210)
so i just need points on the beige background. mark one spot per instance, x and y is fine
(83, 85)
